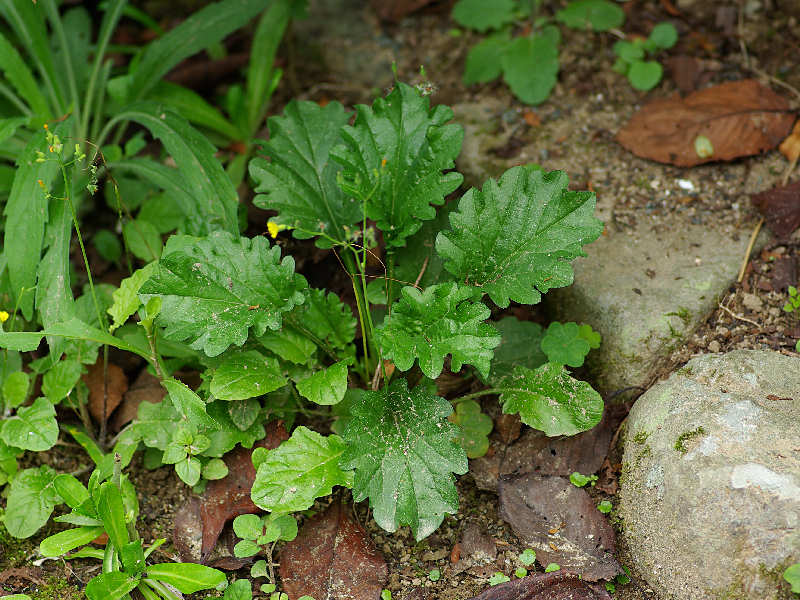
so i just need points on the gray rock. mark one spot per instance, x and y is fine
(646, 290)
(482, 132)
(710, 487)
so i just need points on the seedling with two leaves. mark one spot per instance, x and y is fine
(631, 61)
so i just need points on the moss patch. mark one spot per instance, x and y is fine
(680, 443)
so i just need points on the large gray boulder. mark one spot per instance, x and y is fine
(646, 290)
(710, 490)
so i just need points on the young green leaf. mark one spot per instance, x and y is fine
(520, 345)
(189, 404)
(531, 84)
(403, 451)
(111, 511)
(31, 500)
(792, 575)
(289, 343)
(64, 541)
(299, 180)
(34, 427)
(593, 15)
(301, 469)
(15, 388)
(241, 589)
(245, 375)
(142, 239)
(188, 470)
(590, 335)
(481, 15)
(644, 75)
(664, 35)
(393, 157)
(71, 490)
(248, 527)
(564, 344)
(514, 239)
(442, 319)
(484, 60)
(58, 382)
(325, 387)
(550, 400)
(214, 291)
(475, 427)
(110, 586)
(126, 298)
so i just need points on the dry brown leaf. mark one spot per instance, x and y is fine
(781, 208)
(558, 585)
(739, 118)
(224, 499)
(145, 388)
(790, 147)
(332, 558)
(583, 542)
(111, 386)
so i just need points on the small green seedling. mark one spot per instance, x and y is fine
(579, 480)
(521, 572)
(527, 557)
(498, 578)
(435, 575)
(552, 567)
(475, 427)
(792, 575)
(386, 595)
(644, 74)
(794, 300)
(605, 507)
(256, 532)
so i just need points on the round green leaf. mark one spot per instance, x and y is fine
(246, 375)
(246, 548)
(15, 388)
(645, 75)
(248, 527)
(325, 387)
(188, 470)
(664, 35)
(34, 427)
(59, 381)
(143, 239)
(107, 245)
(215, 469)
(564, 344)
(792, 575)
(628, 51)
(530, 67)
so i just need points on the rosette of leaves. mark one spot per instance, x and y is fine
(643, 73)
(528, 64)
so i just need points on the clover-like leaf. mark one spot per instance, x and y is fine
(515, 238)
(475, 427)
(442, 319)
(393, 156)
(590, 335)
(301, 469)
(299, 180)
(530, 67)
(325, 387)
(404, 453)
(34, 427)
(245, 375)
(550, 400)
(215, 290)
(564, 344)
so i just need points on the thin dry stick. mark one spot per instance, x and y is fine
(749, 249)
(421, 272)
(738, 317)
(789, 170)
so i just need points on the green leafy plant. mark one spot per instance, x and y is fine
(259, 536)
(527, 557)
(552, 567)
(529, 63)
(632, 61)
(605, 506)
(109, 505)
(498, 578)
(520, 572)
(579, 480)
(792, 575)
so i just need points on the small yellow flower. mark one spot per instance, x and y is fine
(383, 162)
(3, 316)
(45, 126)
(274, 229)
(41, 183)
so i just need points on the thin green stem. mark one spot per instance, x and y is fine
(486, 392)
(161, 589)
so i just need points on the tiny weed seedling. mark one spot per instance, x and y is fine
(552, 567)
(632, 56)
(528, 64)
(498, 578)
(579, 480)
(259, 536)
(793, 305)
(605, 506)
(528, 557)
(520, 572)
(435, 575)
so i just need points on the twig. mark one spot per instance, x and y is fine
(739, 317)
(421, 272)
(789, 170)
(749, 249)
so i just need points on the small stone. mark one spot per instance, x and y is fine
(752, 302)
(713, 346)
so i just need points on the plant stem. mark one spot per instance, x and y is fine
(486, 392)
(161, 589)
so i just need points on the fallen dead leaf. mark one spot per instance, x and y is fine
(790, 147)
(781, 208)
(332, 558)
(583, 544)
(739, 118)
(188, 539)
(110, 385)
(145, 388)
(558, 585)
(224, 499)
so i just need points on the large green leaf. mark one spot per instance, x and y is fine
(299, 180)
(20, 76)
(530, 67)
(201, 30)
(216, 290)
(442, 319)
(31, 500)
(482, 15)
(394, 156)
(301, 469)
(325, 387)
(246, 375)
(325, 318)
(34, 427)
(215, 200)
(194, 108)
(550, 400)
(515, 238)
(110, 586)
(520, 345)
(187, 578)
(402, 448)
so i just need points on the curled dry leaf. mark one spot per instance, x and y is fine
(739, 118)
(332, 558)
(105, 388)
(781, 208)
(224, 499)
(561, 523)
(558, 585)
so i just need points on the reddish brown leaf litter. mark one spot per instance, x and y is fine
(333, 558)
(546, 586)
(395, 11)
(739, 118)
(188, 539)
(146, 388)
(561, 523)
(224, 499)
(781, 208)
(790, 147)
(106, 387)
